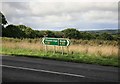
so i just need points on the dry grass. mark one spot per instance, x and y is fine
(98, 50)
(107, 50)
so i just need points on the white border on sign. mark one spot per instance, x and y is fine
(68, 41)
(43, 40)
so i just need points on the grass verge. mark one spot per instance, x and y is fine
(77, 57)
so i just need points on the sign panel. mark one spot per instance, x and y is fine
(64, 42)
(56, 41)
(50, 41)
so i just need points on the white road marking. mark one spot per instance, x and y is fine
(41, 70)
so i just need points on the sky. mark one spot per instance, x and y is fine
(59, 15)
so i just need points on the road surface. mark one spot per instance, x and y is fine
(26, 69)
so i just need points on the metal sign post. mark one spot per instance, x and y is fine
(54, 50)
(45, 49)
(67, 50)
(45, 45)
(62, 50)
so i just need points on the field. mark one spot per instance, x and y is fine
(93, 51)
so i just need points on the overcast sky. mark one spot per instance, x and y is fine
(61, 15)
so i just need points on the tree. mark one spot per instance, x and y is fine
(28, 32)
(59, 34)
(71, 33)
(13, 31)
(88, 36)
(48, 33)
(39, 34)
(3, 20)
(106, 36)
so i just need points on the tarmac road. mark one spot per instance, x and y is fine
(26, 69)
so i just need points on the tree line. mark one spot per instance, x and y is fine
(22, 31)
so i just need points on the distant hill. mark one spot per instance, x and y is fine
(105, 31)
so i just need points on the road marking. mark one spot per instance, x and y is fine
(41, 70)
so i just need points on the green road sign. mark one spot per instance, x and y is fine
(50, 41)
(56, 41)
(64, 42)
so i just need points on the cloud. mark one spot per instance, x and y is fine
(47, 8)
(101, 16)
(15, 8)
(61, 14)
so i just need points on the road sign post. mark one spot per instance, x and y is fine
(54, 50)
(45, 49)
(67, 49)
(62, 50)
(55, 42)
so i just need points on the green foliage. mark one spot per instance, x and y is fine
(12, 31)
(71, 33)
(28, 32)
(22, 31)
(48, 33)
(106, 36)
(87, 36)
(58, 34)
(38, 34)
(3, 20)
(19, 31)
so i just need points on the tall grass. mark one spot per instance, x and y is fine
(36, 44)
(96, 54)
